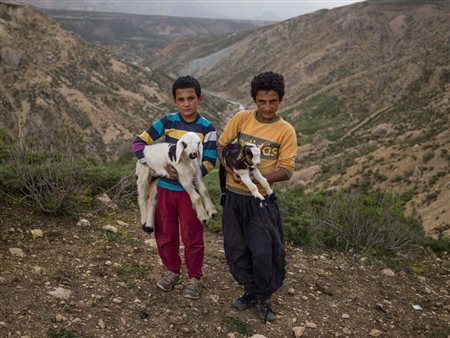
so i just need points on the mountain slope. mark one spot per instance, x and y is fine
(52, 80)
(138, 37)
(368, 88)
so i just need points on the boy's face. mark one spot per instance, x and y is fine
(187, 103)
(267, 102)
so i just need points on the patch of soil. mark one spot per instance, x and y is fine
(113, 277)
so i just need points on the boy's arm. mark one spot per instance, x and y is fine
(154, 132)
(209, 151)
(286, 159)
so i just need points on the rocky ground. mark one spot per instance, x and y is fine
(79, 280)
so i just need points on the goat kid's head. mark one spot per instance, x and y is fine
(190, 146)
(251, 154)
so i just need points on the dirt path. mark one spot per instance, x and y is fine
(112, 278)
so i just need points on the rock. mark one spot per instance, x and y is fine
(36, 233)
(2, 280)
(17, 252)
(388, 272)
(83, 223)
(117, 300)
(298, 331)
(60, 318)
(121, 223)
(61, 293)
(110, 228)
(257, 335)
(291, 291)
(104, 198)
(324, 288)
(108, 263)
(346, 330)
(37, 270)
(101, 324)
(311, 325)
(375, 333)
(345, 316)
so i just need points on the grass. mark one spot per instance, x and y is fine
(232, 324)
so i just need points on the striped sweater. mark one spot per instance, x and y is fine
(173, 126)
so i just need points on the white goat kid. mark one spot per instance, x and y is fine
(186, 157)
(244, 161)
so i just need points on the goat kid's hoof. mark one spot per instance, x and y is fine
(147, 229)
(262, 203)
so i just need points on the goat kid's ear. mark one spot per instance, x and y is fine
(241, 154)
(179, 150)
(200, 152)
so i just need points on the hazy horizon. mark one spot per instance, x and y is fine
(224, 9)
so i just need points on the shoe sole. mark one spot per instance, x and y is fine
(164, 289)
(191, 297)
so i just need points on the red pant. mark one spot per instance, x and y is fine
(174, 212)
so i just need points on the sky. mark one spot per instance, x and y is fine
(230, 9)
(270, 10)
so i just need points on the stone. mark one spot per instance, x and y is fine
(121, 223)
(298, 331)
(110, 228)
(311, 325)
(60, 318)
(37, 270)
(291, 291)
(83, 223)
(101, 324)
(375, 333)
(345, 316)
(36, 233)
(17, 252)
(61, 293)
(388, 272)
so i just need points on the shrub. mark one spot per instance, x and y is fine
(369, 222)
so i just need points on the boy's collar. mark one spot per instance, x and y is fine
(197, 116)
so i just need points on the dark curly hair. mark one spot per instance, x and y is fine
(268, 81)
(185, 82)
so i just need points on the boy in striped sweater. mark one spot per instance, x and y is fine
(174, 213)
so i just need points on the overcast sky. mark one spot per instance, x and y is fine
(247, 9)
(231, 9)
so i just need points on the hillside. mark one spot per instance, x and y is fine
(368, 89)
(52, 81)
(138, 37)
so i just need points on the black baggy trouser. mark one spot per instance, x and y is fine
(254, 244)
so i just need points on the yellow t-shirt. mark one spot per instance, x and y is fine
(277, 141)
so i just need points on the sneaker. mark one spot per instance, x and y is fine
(168, 280)
(246, 301)
(265, 311)
(193, 289)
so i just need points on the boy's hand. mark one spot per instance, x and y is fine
(173, 173)
(236, 177)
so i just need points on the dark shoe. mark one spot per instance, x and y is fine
(168, 280)
(246, 301)
(265, 311)
(193, 288)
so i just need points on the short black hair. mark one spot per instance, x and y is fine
(268, 81)
(184, 82)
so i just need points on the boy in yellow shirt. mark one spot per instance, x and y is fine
(253, 236)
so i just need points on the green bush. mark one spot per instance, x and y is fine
(370, 222)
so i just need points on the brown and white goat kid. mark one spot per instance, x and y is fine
(244, 161)
(186, 157)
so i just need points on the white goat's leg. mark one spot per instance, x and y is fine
(201, 186)
(196, 199)
(142, 172)
(262, 180)
(250, 185)
(151, 204)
